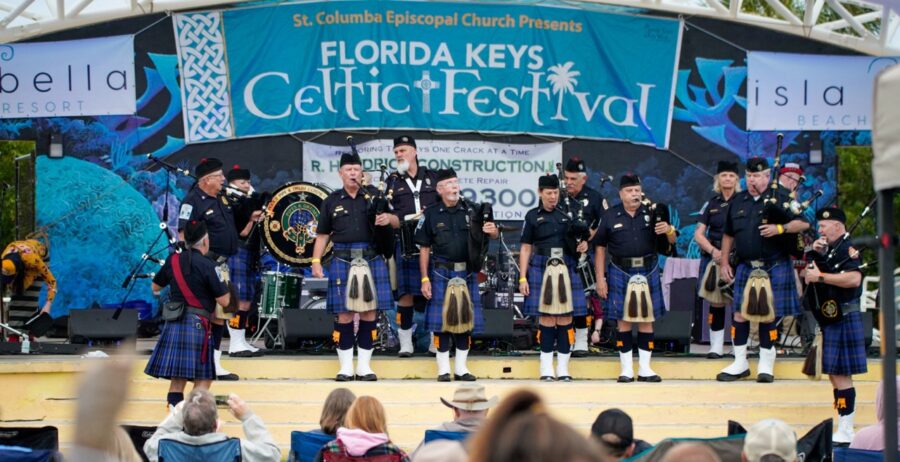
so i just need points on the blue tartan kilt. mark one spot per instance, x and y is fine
(617, 283)
(434, 321)
(178, 352)
(843, 346)
(535, 280)
(243, 276)
(784, 286)
(409, 278)
(337, 280)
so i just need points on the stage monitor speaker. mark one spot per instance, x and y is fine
(675, 326)
(683, 294)
(30, 437)
(497, 324)
(86, 325)
(307, 324)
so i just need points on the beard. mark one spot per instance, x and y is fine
(402, 166)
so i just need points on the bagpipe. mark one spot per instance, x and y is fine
(378, 202)
(579, 229)
(478, 241)
(778, 212)
(659, 213)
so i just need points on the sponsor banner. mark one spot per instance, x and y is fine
(451, 66)
(506, 175)
(788, 91)
(72, 78)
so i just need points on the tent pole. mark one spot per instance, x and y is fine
(888, 318)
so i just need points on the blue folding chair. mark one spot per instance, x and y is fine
(434, 435)
(20, 454)
(228, 450)
(305, 445)
(845, 454)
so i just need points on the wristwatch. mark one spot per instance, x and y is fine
(822, 278)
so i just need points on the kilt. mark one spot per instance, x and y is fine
(784, 285)
(434, 319)
(704, 260)
(843, 346)
(338, 269)
(535, 273)
(22, 307)
(409, 278)
(177, 353)
(244, 277)
(617, 283)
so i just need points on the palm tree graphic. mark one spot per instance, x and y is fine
(562, 77)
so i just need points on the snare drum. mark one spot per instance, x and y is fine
(408, 247)
(280, 291)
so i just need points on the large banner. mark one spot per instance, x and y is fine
(788, 91)
(430, 65)
(505, 175)
(72, 78)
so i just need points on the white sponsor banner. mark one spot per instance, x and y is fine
(505, 175)
(789, 91)
(70, 78)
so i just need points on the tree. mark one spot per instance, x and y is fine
(9, 150)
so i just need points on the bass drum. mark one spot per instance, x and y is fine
(291, 218)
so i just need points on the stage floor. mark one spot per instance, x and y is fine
(287, 391)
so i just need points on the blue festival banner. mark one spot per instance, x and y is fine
(451, 67)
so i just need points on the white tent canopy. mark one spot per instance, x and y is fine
(886, 130)
(24, 19)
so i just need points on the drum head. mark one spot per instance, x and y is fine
(291, 218)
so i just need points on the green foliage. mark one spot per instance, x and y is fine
(855, 190)
(9, 150)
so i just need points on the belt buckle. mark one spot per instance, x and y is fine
(556, 252)
(757, 264)
(356, 253)
(637, 261)
(459, 266)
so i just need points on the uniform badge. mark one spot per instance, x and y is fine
(440, 225)
(224, 200)
(540, 218)
(219, 273)
(428, 181)
(618, 225)
(826, 214)
(209, 212)
(713, 210)
(647, 218)
(185, 213)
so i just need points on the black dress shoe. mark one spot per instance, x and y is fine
(367, 378)
(651, 379)
(246, 354)
(444, 378)
(343, 378)
(548, 378)
(625, 379)
(579, 353)
(564, 378)
(230, 377)
(712, 355)
(765, 378)
(726, 377)
(404, 354)
(467, 377)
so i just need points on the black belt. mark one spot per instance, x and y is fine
(451, 266)
(551, 251)
(350, 254)
(760, 262)
(199, 312)
(647, 261)
(848, 308)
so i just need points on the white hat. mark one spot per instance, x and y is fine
(770, 437)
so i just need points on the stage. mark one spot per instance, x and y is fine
(287, 391)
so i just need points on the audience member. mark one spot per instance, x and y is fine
(196, 421)
(521, 430)
(122, 449)
(441, 451)
(470, 406)
(335, 410)
(770, 440)
(613, 430)
(691, 452)
(872, 437)
(364, 434)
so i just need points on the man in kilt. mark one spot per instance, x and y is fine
(412, 189)
(546, 239)
(243, 265)
(708, 235)
(184, 351)
(835, 279)
(357, 274)
(444, 232)
(592, 205)
(758, 247)
(206, 202)
(626, 246)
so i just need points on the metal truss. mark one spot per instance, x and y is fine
(872, 30)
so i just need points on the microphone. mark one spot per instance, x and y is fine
(170, 166)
